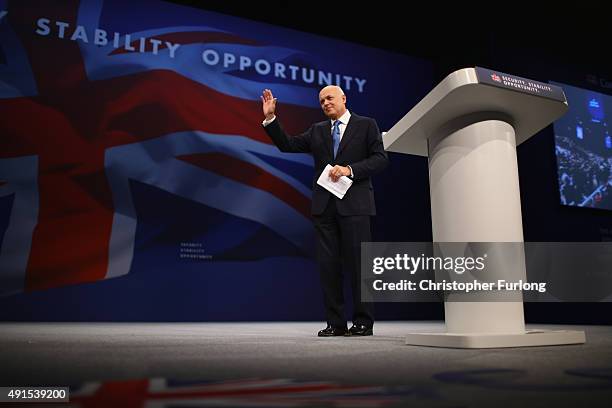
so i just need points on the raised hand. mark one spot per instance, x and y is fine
(268, 103)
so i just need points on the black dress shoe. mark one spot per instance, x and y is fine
(360, 330)
(331, 331)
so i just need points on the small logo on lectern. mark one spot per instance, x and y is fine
(495, 77)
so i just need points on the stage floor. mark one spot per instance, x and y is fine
(285, 364)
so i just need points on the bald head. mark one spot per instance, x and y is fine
(332, 88)
(333, 101)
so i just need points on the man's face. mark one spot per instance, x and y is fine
(332, 102)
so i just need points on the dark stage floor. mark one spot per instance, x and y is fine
(285, 364)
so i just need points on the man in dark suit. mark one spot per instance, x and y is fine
(353, 145)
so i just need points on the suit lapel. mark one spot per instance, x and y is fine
(327, 138)
(349, 132)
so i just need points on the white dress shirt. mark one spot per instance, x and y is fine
(344, 119)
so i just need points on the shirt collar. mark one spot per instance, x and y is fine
(344, 119)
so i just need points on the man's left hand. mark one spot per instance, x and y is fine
(338, 171)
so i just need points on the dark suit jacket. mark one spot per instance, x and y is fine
(361, 148)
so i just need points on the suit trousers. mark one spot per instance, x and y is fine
(339, 251)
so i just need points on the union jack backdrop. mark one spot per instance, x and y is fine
(131, 140)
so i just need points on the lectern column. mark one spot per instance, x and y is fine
(475, 197)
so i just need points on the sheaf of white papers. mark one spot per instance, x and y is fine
(339, 188)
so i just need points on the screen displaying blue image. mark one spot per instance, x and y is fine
(583, 147)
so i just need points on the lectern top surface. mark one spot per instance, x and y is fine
(481, 94)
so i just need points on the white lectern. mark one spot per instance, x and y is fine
(469, 126)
